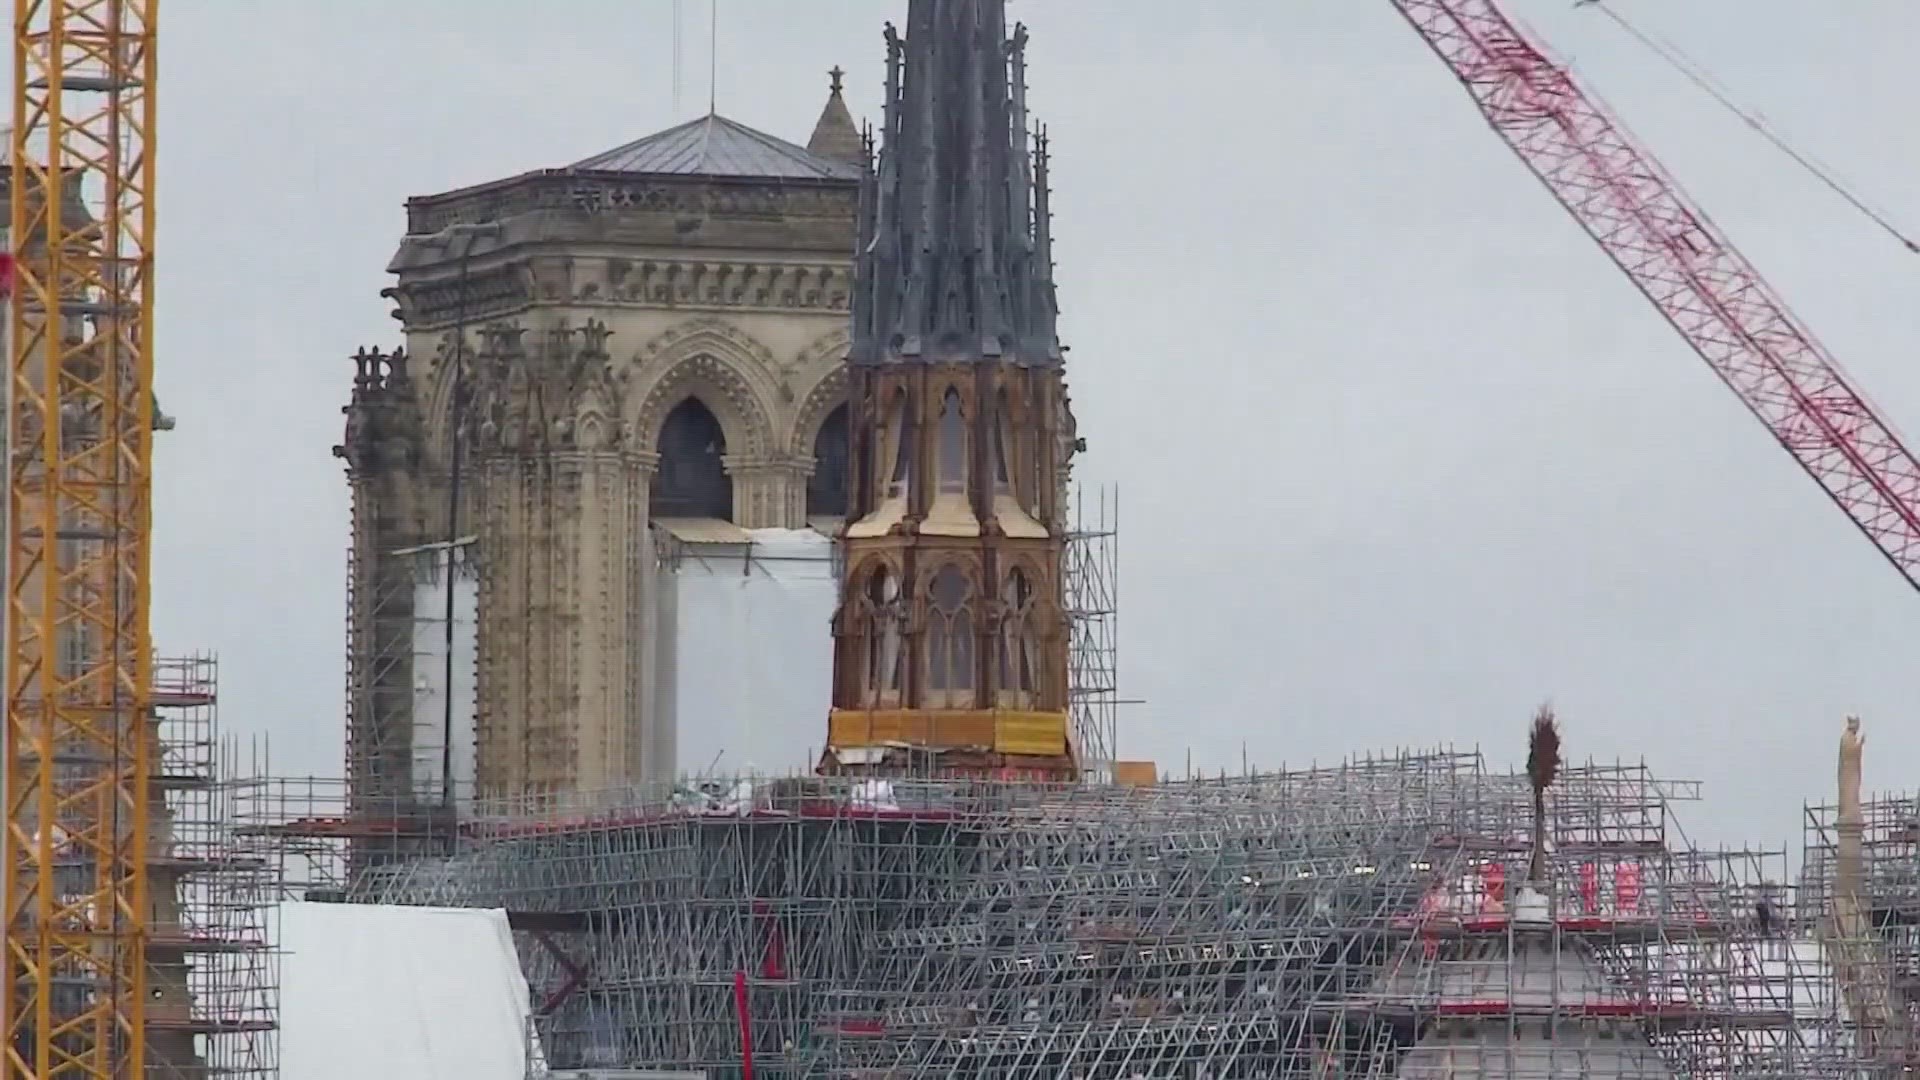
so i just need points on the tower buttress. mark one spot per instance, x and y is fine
(390, 489)
(950, 642)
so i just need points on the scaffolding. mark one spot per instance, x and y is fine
(212, 963)
(307, 831)
(1091, 571)
(1347, 921)
(380, 625)
(1872, 940)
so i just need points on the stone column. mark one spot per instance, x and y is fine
(520, 743)
(610, 632)
(768, 492)
(650, 749)
(565, 633)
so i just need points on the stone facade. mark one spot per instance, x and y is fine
(572, 337)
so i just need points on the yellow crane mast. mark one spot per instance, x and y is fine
(79, 444)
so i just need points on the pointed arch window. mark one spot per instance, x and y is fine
(1033, 460)
(953, 444)
(885, 669)
(949, 640)
(898, 466)
(692, 480)
(827, 487)
(1003, 465)
(1018, 658)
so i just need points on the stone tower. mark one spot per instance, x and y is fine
(649, 340)
(951, 638)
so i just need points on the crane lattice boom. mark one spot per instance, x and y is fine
(1669, 248)
(79, 444)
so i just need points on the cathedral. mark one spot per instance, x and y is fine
(714, 451)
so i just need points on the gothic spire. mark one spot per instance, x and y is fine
(954, 262)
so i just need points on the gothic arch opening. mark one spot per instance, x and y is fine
(952, 448)
(949, 640)
(885, 668)
(827, 487)
(692, 480)
(1019, 659)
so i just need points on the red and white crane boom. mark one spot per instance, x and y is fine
(1686, 266)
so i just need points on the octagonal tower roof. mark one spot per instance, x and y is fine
(716, 146)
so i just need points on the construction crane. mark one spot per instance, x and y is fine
(79, 443)
(1682, 263)
(1738, 325)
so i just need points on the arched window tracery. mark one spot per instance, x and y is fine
(1002, 442)
(885, 669)
(898, 464)
(827, 487)
(952, 432)
(1018, 673)
(949, 639)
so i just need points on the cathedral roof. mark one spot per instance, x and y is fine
(716, 146)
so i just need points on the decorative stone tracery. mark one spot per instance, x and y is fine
(721, 388)
(827, 394)
(695, 334)
(728, 370)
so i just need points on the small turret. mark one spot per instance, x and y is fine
(835, 137)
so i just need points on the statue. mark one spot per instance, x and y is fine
(593, 338)
(1848, 864)
(1851, 743)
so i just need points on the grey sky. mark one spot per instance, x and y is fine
(1400, 452)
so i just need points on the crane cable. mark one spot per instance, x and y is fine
(1700, 77)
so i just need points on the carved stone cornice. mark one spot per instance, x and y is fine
(490, 293)
(570, 191)
(729, 285)
(614, 282)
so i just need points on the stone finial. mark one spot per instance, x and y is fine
(833, 74)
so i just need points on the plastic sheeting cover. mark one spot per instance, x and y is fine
(754, 658)
(431, 710)
(377, 992)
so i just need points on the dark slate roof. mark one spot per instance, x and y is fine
(716, 146)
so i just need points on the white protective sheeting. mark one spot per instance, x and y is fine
(378, 992)
(431, 688)
(753, 659)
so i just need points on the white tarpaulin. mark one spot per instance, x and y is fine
(435, 718)
(375, 992)
(753, 658)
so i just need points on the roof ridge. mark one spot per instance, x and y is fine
(699, 147)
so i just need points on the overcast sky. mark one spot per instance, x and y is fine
(1400, 452)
